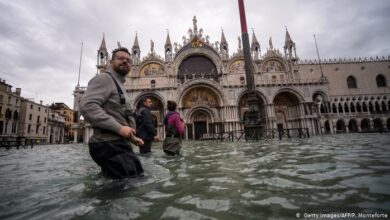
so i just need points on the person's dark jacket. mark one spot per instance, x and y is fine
(145, 124)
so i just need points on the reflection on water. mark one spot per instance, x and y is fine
(340, 173)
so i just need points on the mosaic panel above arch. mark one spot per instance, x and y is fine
(273, 65)
(200, 96)
(237, 67)
(152, 69)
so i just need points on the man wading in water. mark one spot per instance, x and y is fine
(107, 108)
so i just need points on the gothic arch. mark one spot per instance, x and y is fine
(378, 124)
(380, 80)
(353, 125)
(351, 82)
(365, 124)
(340, 126)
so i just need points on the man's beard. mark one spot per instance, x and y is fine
(122, 71)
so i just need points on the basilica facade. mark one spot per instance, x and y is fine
(209, 84)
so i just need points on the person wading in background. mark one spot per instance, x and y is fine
(146, 129)
(174, 128)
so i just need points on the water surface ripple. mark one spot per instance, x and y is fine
(262, 180)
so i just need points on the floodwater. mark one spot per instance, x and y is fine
(275, 179)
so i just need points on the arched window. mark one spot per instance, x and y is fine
(351, 82)
(242, 80)
(381, 81)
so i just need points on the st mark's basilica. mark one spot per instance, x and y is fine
(208, 83)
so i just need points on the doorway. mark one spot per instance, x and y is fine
(200, 129)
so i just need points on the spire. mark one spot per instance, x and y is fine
(224, 47)
(254, 40)
(103, 44)
(168, 41)
(223, 38)
(288, 38)
(136, 44)
(290, 51)
(102, 56)
(136, 51)
(255, 47)
(168, 48)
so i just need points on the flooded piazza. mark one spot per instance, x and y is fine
(274, 179)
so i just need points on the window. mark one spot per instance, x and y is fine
(153, 83)
(29, 129)
(30, 117)
(8, 113)
(351, 82)
(31, 106)
(14, 126)
(381, 81)
(16, 115)
(242, 80)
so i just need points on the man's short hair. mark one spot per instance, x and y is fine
(144, 99)
(171, 105)
(123, 49)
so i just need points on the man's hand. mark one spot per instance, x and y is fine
(137, 141)
(127, 131)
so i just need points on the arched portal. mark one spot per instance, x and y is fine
(243, 106)
(200, 107)
(352, 125)
(365, 125)
(378, 125)
(202, 122)
(340, 126)
(327, 126)
(287, 104)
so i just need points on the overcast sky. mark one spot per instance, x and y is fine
(40, 40)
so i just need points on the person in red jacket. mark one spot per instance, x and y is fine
(174, 129)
